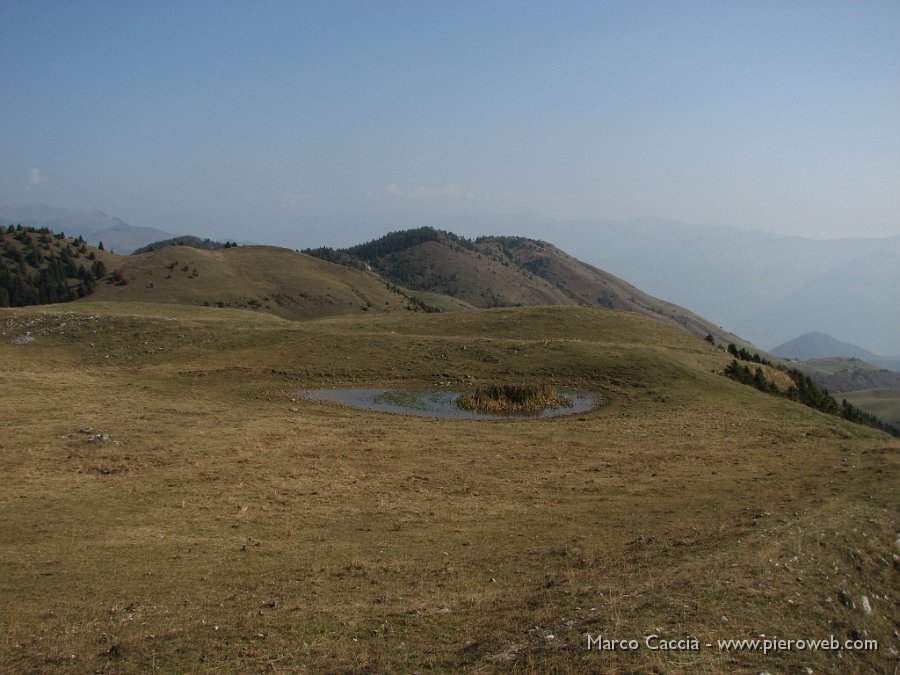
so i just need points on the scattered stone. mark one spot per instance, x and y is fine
(98, 438)
(85, 430)
(22, 340)
(864, 601)
(641, 541)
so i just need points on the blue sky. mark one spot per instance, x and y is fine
(306, 123)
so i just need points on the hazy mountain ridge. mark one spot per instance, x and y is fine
(856, 300)
(765, 287)
(94, 226)
(816, 345)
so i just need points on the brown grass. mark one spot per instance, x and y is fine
(513, 398)
(225, 527)
(260, 278)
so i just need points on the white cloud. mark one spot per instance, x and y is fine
(35, 177)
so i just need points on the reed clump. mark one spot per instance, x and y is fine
(513, 398)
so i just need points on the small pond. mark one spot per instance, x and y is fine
(432, 403)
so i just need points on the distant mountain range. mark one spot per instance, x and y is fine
(817, 345)
(93, 226)
(765, 287)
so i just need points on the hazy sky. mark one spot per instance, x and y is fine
(304, 123)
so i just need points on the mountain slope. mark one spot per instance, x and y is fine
(94, 226)
(583, 284)
(505, 272)
(843, 375)
(883, 403)
(816, 345)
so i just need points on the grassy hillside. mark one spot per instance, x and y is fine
(884, 403)
(226, 526)
(440, 262)
(266, 278)
(872, 389)
(417, 270)
(837, 364)
(585, 285)
(506, 272)
(184, 240)
(844, 375)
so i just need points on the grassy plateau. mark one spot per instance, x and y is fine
(221, 525)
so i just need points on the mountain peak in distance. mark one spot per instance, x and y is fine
(94, 225)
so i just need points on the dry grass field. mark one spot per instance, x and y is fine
(264, 278)
(225, 526)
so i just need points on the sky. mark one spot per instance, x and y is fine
(327, 123)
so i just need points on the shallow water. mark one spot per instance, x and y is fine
(431, 403)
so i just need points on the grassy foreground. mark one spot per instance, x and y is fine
(226, 527)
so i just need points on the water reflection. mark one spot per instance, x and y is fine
(432, 403)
